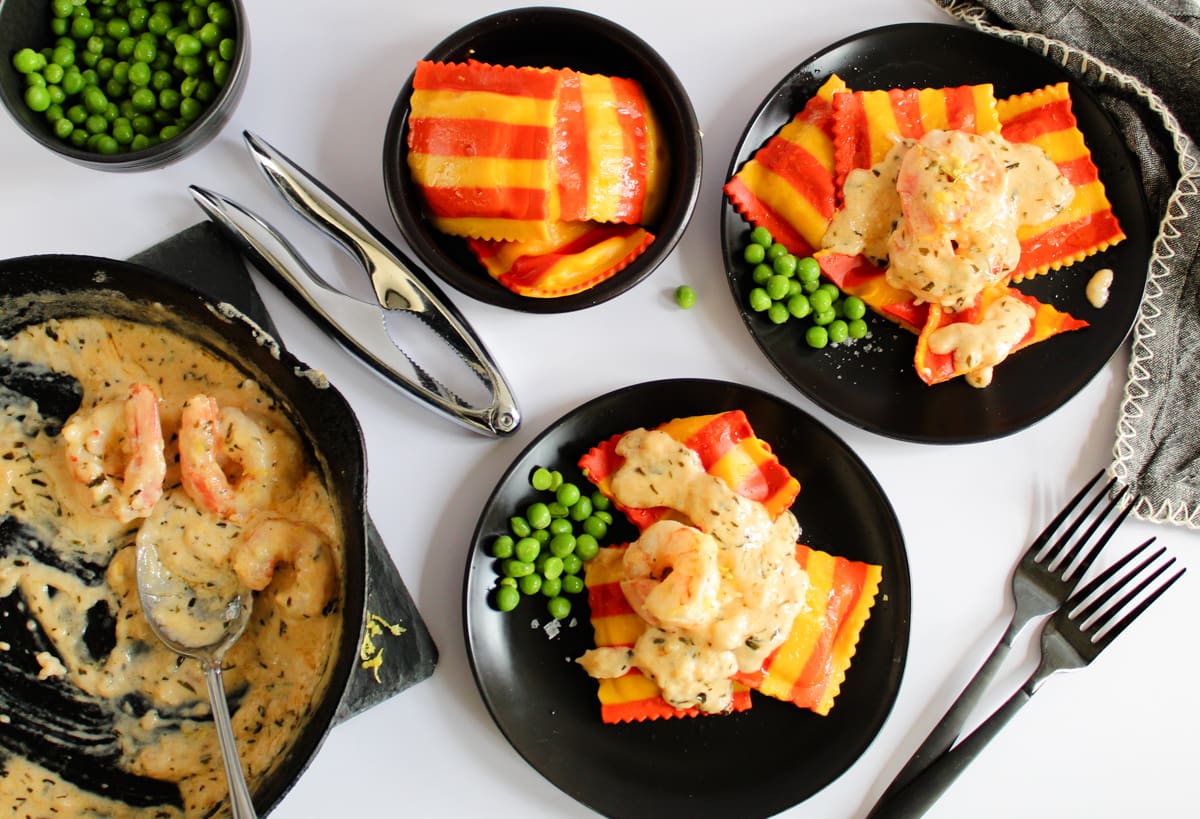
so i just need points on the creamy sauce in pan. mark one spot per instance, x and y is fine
(717, 583)
(277, 671)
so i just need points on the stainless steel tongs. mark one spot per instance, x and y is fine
(358, 325)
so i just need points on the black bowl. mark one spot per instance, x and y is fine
(558, 38)
(26, 23)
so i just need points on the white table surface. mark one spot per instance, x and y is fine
(1115, 740)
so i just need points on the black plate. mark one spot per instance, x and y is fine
(561, 38)
(755, 763)
(874, 384)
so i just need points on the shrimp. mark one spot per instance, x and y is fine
(119, 437)
(226, 459)
(313, 581)
(671, 576)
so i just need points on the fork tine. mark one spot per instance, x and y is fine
(1071, 568)
(1116, 628)
(1081, 595)
(1064, 513)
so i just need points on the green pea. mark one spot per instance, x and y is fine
(567, 494)
(140, 142)
(799, 305)
(776, 250)
(519, 526)
(552, 586)
(209, 34)
(538, 515)
(220, 14)
(778, 313)
(502, 546)
(604, 515)
(117, 28)
(784, 265)
(572, 584)
(62, 8)
(593, 526)
(759, 300)
(685, 297)
(526, 549)
(559, 608)
(587, 546)
(857, 328)
(552, 568)
(600, 500)
(571, 565)
(839, 331)
(540, 479)
(542, 536)
(777, 287)
(516, 568)
(557, 510)
(37, 98)
(507, 598)
(63, 128)
(143, 100)
(562, 545)
(26, 61)
(76, 113)
(556, 480)
(220, 72)
(816, 337)
(761, 273)
(761, 236)
(808, 269)
(530, 583)
(187, 45)
(54, 74)
(820, 300)
(227, 48)
(581, 510)
(560, 526)
(72, 82)
(853, 307)
(754, 253)
(824, 317)
(144, 51)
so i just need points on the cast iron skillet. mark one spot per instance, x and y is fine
(84, 285)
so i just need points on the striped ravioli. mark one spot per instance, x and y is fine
(479, 147)
(809, 667)
(574, 257)
(788, 185)
(503, 152)
(728, 449)
(1088, 225)
(866, 123)
(633, 697)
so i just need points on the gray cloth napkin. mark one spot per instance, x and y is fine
(1141, 58)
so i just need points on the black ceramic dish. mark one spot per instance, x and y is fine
(82, 285)
(558, 38)
(26, 23)
(873, 384)
(755, 763)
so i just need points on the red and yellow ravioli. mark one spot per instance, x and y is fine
(809, 667)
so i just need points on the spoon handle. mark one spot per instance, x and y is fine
(239, 791)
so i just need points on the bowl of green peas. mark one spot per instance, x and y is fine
(122, 85)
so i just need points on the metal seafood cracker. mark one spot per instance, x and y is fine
(359, 325)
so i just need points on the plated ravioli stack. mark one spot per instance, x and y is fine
(795, 186)
(810, 663)
(551, 175)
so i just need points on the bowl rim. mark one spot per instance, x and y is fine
(195, 136)
(678, 209)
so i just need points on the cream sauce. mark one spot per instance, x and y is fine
(1098, 286)
(733, 610)
(280, 666)
(953, 217)
(979, 347)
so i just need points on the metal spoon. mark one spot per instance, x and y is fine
(203, 626)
